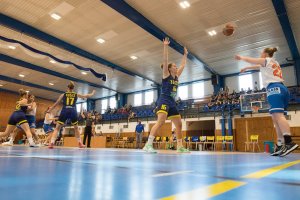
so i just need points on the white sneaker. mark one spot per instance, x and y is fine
(149, 148)
(9, 143)
(33, 145)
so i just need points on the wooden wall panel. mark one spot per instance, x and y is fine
(262, 126)
(164, 131)
(8, 103)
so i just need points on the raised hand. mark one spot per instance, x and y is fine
(238, 57)
(166, 41)
(185, 51)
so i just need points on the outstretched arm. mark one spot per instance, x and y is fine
(255, 61)
(56, 103)
(183, 62)
(254, 67)
(166, 72)
(83, 96)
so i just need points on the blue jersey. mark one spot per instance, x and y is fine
(69, 100)
(139, 128)
(169, 86)
(21, 108)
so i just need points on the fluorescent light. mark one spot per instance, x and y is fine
(83, 73)
(100, 40)
(27, 91)
(53, 61)
(51, 83)
(133, 57)
(212, 32)
(184, 4)
(1, 85)
(22, 75)
(55, 16)
(11, 47)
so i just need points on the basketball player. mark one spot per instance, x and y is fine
(49, 118)
(31, 119)
(278, 97)
(68, 111)
(18, 118)
(166, 104)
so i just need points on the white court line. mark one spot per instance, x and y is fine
(170, 173)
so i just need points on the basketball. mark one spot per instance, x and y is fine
(228, 30)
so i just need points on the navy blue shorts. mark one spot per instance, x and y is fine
(68, 113)
(47, 128)
(168, 106)
(278, 97)
(17, 118)
(30, 120)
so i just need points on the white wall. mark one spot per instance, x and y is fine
(289, 76)
(130, 98)
(232, 83)
(98, 105)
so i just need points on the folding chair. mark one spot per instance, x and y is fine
(253, 142)
(229, 140)
(219, 140)
(163, 142)
(157, 141)
(194, 140)
(202, 140)
(210, 140)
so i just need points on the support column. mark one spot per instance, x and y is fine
(297, 69)
(220, 83)
(90, 104)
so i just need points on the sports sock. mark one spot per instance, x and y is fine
(150, 139)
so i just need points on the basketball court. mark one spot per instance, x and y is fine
(71, 173)
(213, 86)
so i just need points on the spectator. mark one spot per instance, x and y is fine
(139, 130)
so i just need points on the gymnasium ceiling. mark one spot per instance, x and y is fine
(82, 22)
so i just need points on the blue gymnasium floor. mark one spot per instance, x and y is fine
(73, 174)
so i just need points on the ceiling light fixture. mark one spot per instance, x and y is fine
(133, 57)
(1, 85)
(11, 47)
(83, 73)
(22, 75)
(184, 4)
(55, 16)
(100, 40)
(212, 33)
(52, 61)
(51, 83)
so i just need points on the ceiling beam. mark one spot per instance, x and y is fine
(281, 12)
(20, 82)
(14, 92)
(14, 61)
(33, 32)
(133, 15)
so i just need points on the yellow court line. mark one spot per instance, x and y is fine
(208, 191)
(225, 186)
(269, 171)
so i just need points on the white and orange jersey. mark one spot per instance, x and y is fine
(271, 72)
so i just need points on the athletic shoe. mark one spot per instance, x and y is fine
(182, 150)
(7, 143)
(51, 145)
(33, 145)
(288, 149)
(277, 150)
(80, 145)
(149, 148)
